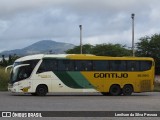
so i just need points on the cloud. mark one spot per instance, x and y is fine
(23, 22)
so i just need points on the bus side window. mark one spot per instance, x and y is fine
(145, 65)
(118, 65)
(77, 65)
(41, 67)
(72, 65)
(51, 65)
(83, 65)
(100, 65)
(61, 65)
(132, 65)
(48, 65)
(65, 65)
(89, 65)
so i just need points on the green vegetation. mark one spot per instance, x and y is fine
(4, 77)
(10, 61)
(102, 50)
(87, 49)
(150, 47)
(115, 50)
(157, 87)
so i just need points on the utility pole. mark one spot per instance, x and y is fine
(80, 26)
(133, 51)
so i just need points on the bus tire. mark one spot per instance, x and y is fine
(127, 90)
(115, 90)
(41, 90)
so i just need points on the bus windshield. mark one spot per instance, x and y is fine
(23, 71)
(20, 73)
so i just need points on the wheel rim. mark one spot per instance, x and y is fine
(41, 90)
(127, 90)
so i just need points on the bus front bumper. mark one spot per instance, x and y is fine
(12, 88)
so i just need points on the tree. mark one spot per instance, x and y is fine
(87, 48)
(3, 62)
(101, 50)
(10, 62)
(115, 50)
(150, 47)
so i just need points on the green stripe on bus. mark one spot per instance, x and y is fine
(67, 79)
(80, 79)
(73, 79)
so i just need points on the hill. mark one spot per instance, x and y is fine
(44, 46)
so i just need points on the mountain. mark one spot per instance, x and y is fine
(44, 46)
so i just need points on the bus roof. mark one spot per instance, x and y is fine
(30, 57)
(79, 56)
(85, 56)
(40, 56)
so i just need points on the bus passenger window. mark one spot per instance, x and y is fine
(83, 65)
(100, 65)
(48, 65)
(78, 66)
(132, 65)
(65, 65)
(145, 65)
(89, 66)
(61, 65)
(117, 65)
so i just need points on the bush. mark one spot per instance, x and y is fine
(156, 86)
(4, 79)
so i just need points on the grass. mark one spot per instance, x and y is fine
(4, 78)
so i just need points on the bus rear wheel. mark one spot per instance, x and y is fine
(41, 90)
(127, 90)
(115, 90)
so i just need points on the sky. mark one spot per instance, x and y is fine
(24, 22)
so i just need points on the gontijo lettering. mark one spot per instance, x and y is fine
(110, 75)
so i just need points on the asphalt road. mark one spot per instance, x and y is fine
(149, 101)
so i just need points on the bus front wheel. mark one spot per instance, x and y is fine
(127, 90)
(115, 90)
(41, 90)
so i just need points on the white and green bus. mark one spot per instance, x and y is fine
(41, 74)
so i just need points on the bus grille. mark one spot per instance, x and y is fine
(145, 85)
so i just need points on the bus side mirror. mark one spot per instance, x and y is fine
(6, 69)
